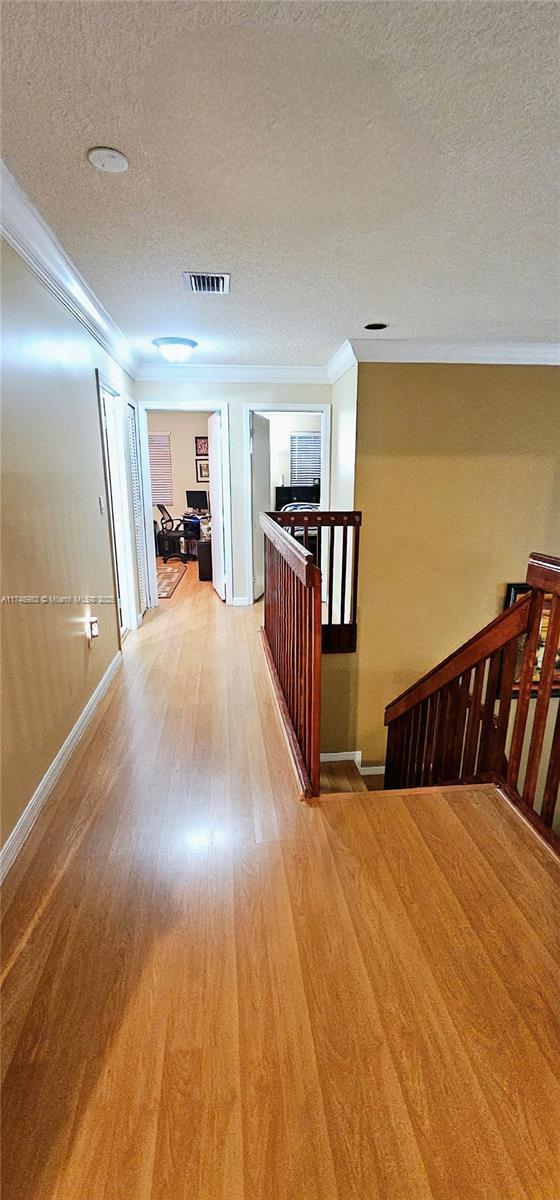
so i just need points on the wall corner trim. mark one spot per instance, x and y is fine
(21, 831)
(341, 362)
(30, 236)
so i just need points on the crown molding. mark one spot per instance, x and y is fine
(30, 236)
(342, 360)
(368, 350)
(224, 373)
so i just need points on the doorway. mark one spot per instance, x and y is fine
(186, 484)
(119, 500)
(287, 462)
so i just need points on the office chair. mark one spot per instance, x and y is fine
(177, 535)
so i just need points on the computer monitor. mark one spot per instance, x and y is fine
(197, 500)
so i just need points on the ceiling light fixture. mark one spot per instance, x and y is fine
(375, 325)
(107, 159)
(174, 349)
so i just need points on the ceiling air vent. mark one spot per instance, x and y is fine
(204, 283)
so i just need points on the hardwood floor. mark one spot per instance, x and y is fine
(216, 992)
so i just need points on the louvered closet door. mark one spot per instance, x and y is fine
(137, 508)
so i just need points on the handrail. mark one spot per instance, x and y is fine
(454, 725)
(292, 643)
(299, 560)
(509, 624)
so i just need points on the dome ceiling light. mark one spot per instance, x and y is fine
(175, 349)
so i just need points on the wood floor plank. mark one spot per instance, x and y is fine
(214, 991)
(446, 1103)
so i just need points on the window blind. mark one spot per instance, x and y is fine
(305, 457)
(160, 467)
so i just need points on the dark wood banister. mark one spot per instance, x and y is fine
(335, 538)
(292, 644)
(452, 725)
(299, 560)
(498, 632)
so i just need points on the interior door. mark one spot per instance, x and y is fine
(260, 494)
(216, 496)
(137, 508)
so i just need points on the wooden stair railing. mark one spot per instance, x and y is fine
(452, 725)
(292, 644)
(340, 555)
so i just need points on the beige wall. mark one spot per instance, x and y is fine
(183, 428)
(55, 541)
(458, 476)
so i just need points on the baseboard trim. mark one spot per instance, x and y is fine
(241, 602)
(21, 831)
(354, 756)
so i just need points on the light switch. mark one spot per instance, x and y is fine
(101, 505)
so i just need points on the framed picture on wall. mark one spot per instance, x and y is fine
(513, 592)
(201, 447)
(202, 470)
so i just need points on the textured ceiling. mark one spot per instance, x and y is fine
(345, 162)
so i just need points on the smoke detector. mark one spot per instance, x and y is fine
(105, 158)
(206, 283)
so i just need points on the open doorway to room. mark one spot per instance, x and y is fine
(122, 494)
(184, 468)
(289, 468)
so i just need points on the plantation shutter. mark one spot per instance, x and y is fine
(305, 457)
(160, 467)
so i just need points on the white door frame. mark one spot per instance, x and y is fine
(255, 406)
(197, 406)
(115, 413)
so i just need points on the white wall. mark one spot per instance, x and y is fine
(183, 427)
(282, 424)
(343, 439)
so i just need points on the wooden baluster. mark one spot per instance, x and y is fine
(460, 722)
(343, 574)
(316, 685)
(414, 720)
(497, 756)
(488, 730)
(420, 744)
(430, 734)
(330, 578)
(473, 722)
(391, 753)
(355, 565)
(525, 686)
(552, 784)
(439, 744)
(543, 701)
(448, 733)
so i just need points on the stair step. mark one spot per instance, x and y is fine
(341, 777)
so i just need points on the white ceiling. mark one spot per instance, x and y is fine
(346, 162)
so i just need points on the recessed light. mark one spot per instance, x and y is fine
(375, 325)
(174, 349)
(106, 159)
